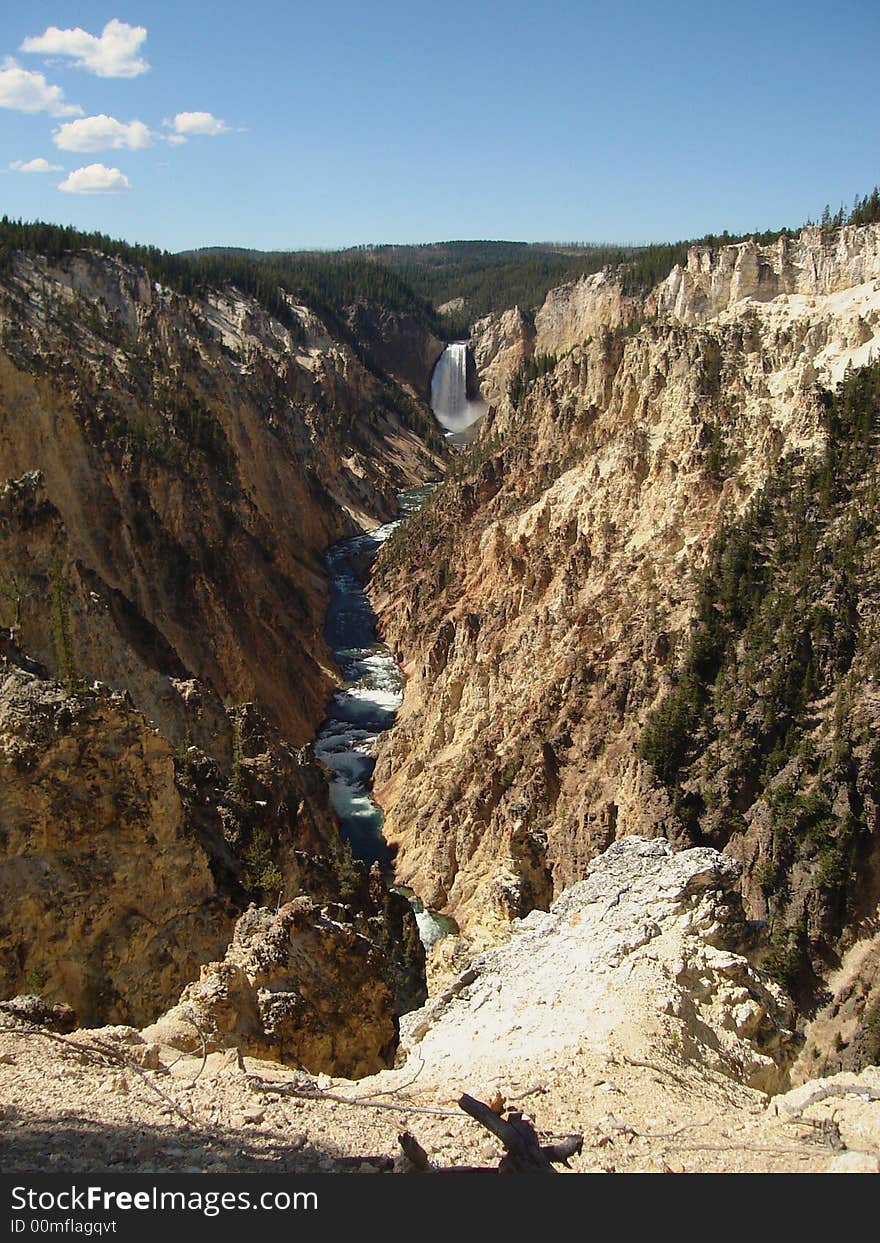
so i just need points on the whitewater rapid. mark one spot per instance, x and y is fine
(364, 706)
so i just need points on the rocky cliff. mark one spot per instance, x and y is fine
(501, 345)
(295, 986)
(814, 264)
(175, 467)
(543, 602)
(99, 875)
(644, 949)
(626, 1014)
(397, 345)
(195, 458)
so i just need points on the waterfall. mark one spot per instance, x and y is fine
(449, 399)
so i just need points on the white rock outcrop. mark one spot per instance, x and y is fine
(714, 278)
(635, 955)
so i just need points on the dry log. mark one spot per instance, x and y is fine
(525, 1154)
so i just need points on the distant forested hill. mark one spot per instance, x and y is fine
(488, 276)
(326, 283)
(413, 280)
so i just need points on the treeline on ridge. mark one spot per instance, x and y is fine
(326, 283)
(413, 280)
(492, 276)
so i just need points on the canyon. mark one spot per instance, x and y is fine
(175, 468)
(543, 602)
(640, 875)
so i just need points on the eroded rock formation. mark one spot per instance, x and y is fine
(640, 953)
(174, 469)
(108, 900)
(542, 603)
(294, 986)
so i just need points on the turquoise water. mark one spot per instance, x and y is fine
(365, 705)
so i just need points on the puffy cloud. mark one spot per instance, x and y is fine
(102, 133)
(39, 165)
(30, 92)
(112, 54)
(95, 179)
(193, 124)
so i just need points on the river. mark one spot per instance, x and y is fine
(365, 705)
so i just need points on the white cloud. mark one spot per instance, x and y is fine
(112, 54)
(193, 124)
(102, 133)
(30, 92)
(39, 165)
(95, 179)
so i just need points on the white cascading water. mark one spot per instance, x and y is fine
(449, 399)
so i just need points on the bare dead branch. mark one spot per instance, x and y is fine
(561, 1152)
(101, 1053)
(655, 1066)
(414, 1153)
(311, 1092)
(190, 1017)
(538, 1090)
(821, 1092)
(525, 1154)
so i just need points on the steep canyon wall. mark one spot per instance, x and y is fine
(543, 603)
(174, 469)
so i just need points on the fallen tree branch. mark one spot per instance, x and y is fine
(687, 1126)
(660, 1070)
(538, 1089)
(311, 1092)
(731, 1147)
(824, 1131)
(525, 1155)
(101, 1053)
(190, 1017)
(368, 1096)
(569, 1147)
(414, 1153)
(821, 1093)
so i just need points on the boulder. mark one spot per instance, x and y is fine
(295, 987)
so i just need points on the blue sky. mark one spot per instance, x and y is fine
(288, 125)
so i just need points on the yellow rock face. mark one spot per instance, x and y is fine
(538, 610)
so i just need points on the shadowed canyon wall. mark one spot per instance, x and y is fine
(175, 468)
